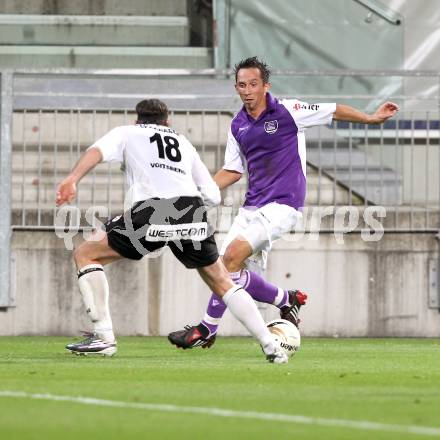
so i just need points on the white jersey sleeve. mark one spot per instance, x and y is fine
(308, 115)
(205, 183)
(112, 145)
(233, 156)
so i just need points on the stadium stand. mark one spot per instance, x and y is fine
(109, 34)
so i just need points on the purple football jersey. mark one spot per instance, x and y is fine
(273, 148)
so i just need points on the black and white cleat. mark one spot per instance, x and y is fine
(92, 344)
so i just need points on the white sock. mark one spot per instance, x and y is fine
(94, 289)
(242, 306)
(280, 298)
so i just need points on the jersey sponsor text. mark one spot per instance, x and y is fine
(166, 167)
(302, 106)
(185, 231)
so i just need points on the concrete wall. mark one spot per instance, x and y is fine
(356, 289)
(94, 7)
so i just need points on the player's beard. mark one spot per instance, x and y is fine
(249, 106)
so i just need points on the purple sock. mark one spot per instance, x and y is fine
(215, 311)
(263, 291)
(255, 285)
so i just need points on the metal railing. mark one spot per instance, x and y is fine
(46, 145)
(396, 165)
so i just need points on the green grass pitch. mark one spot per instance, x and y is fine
(343, 388)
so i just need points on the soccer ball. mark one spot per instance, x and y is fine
(287, 334)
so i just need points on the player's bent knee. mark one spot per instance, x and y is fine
(86, 253)
(233, 258)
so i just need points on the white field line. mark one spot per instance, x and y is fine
(218, 412)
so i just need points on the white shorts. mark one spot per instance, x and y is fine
(261, 227)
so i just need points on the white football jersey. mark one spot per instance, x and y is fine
(158, 162)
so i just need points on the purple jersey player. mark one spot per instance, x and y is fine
(267, 140)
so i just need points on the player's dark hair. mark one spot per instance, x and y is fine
(254, 62)
(152, 111)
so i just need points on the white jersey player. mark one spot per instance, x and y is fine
(170, 188)
(158, 162)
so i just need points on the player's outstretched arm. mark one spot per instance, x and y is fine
(224, 178)
(347, 113)
(66, 190)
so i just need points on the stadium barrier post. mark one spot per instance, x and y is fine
(5, 187)
(221, 34)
